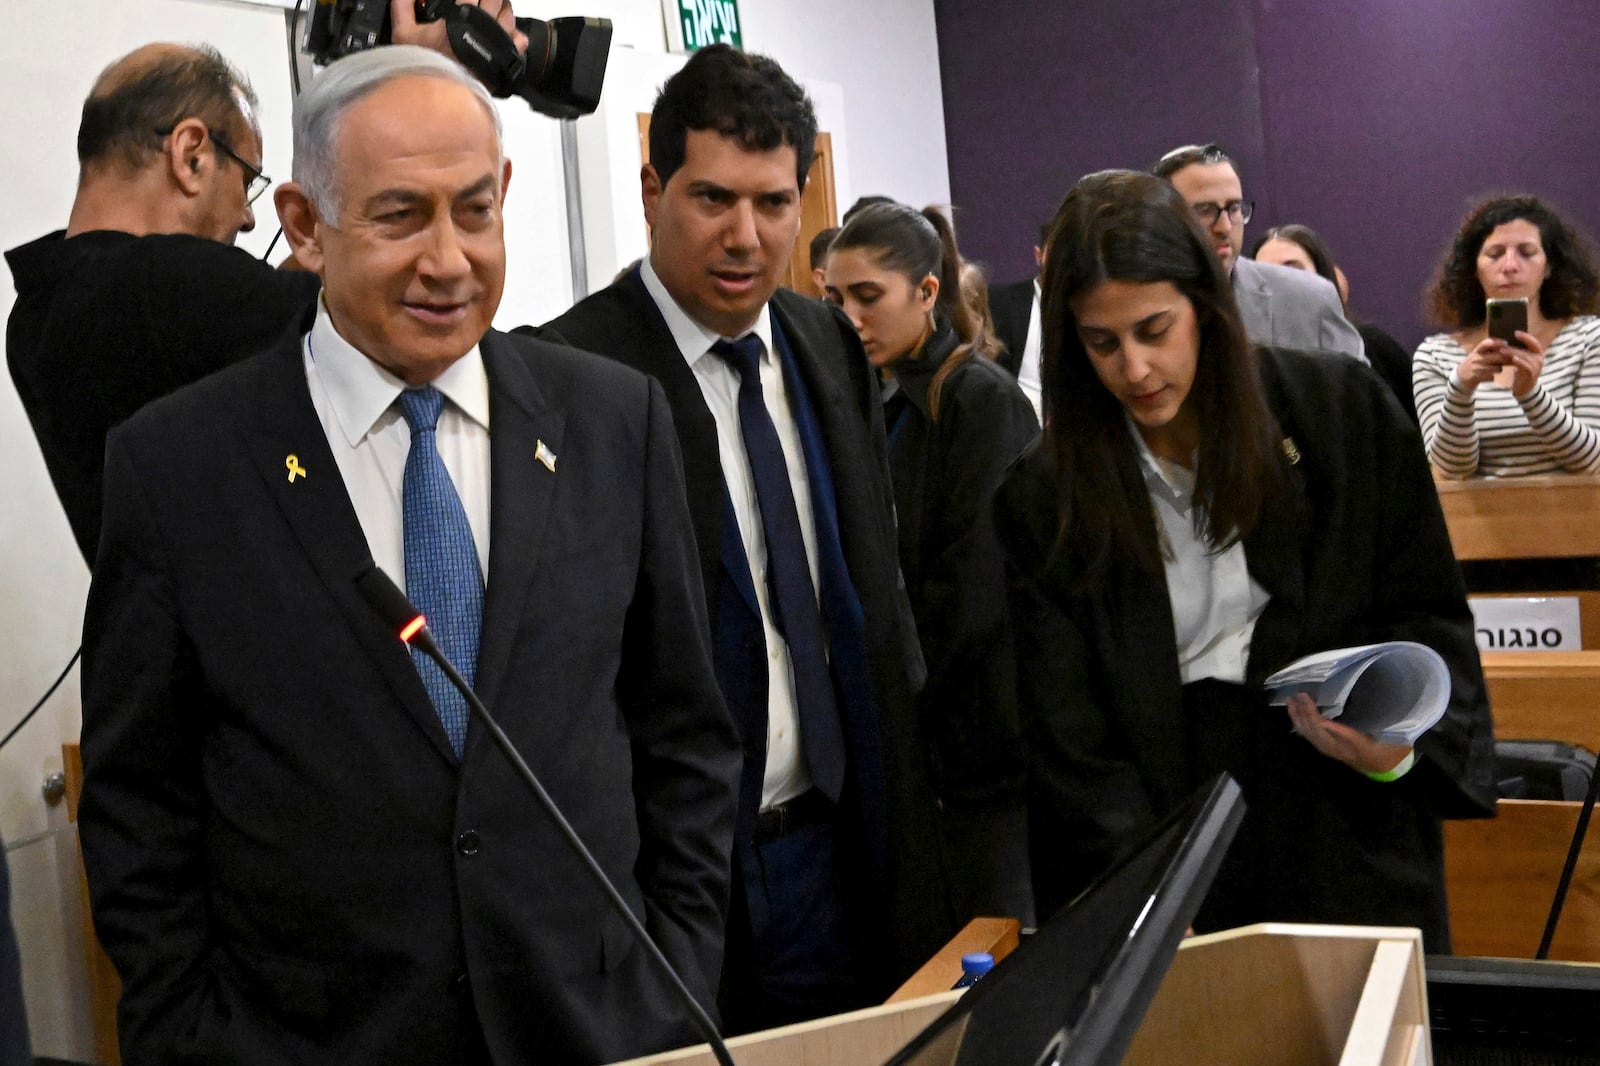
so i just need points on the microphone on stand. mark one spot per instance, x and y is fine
(390, 604)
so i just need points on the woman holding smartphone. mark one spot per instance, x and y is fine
(1197, 514)
(1528, 403)
(955, 420)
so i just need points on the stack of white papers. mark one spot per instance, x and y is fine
(1392, 692)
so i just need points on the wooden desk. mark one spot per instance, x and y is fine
(1545, 695)
(1501, 874)
(1543, 517)
(997, 936)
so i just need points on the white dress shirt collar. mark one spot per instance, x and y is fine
(362, 392)
(1215, 601)
(693, 339)
(1172, 481)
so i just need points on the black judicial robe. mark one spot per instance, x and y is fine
(1357, 553)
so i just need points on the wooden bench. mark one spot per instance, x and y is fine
(1502, 873)
(1544, 517)
(1545, 695)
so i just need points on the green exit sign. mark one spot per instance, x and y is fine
(694, 24)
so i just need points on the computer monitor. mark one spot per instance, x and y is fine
(1073, 993)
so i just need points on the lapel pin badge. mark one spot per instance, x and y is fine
(543, 453)
(1290, 450)
(292, 464)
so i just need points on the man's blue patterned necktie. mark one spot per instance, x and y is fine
(442, 574)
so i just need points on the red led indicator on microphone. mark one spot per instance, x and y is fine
(412, 627)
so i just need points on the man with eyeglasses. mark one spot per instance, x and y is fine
(1281, 307)
(143, 292)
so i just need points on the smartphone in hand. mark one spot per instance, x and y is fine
(1506, 317)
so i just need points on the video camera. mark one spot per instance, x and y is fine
(560, 75)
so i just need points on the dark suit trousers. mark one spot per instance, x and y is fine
(796, 948)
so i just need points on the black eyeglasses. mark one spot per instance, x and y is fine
(1238, 210)
(255, 182)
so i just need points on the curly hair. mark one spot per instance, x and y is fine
(746, 97)
(1455, 298)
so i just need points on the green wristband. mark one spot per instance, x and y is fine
(1400, 770)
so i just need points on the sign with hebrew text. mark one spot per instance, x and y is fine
(1526, 623)
(694, 24)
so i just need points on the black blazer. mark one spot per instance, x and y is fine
(1011, 306)
(1357, 553)
(622, 321)
(287, 864)
(945, 475)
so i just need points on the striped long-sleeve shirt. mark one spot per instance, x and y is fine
(1489, 432)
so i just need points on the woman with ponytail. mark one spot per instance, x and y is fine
(955, 421)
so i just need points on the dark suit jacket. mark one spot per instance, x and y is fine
(105, 322)
(287, 864)
(1357, 553)
(1290, 308)
(622, 321)
(1011, 306)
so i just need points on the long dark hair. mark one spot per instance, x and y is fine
(915, 244)
(1120, 225)
(1455, 299)
(1309, 242)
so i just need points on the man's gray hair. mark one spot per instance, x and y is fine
(320, 110)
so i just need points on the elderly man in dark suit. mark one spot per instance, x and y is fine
(299, 849)
(837, 893)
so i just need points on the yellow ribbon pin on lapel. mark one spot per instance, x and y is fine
(292, 463)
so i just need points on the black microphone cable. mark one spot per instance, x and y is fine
(51, 691)
(391, 605)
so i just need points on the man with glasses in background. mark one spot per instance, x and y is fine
(143, 292)
(1281, 307)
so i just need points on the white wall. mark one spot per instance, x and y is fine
(872, 69)
(884, 55)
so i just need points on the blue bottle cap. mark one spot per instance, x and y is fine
(977, 963)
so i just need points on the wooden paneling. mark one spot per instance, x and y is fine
(1501, 874)
(1545, 695)
(105, 989)
(1549, 516)
(819, 209)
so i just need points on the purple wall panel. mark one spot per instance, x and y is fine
(1375, 121)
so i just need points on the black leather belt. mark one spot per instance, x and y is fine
(781, 819)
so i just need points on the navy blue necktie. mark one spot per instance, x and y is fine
(442, 574)
(794, 599)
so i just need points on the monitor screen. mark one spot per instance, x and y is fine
(1074, 992)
